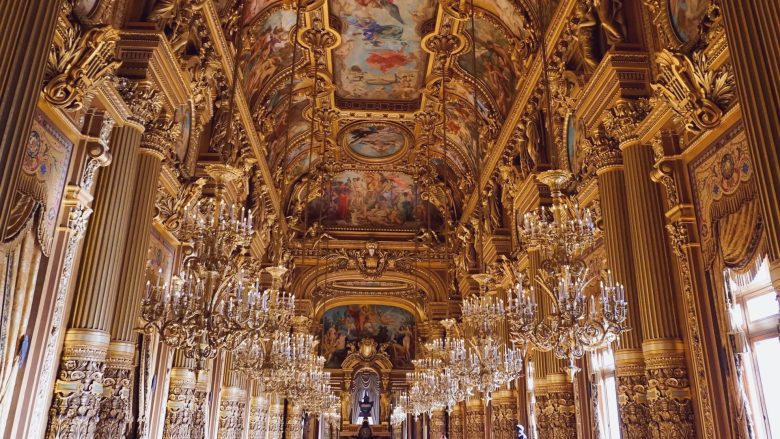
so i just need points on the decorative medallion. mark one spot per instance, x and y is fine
(685, 16)
(371, 141)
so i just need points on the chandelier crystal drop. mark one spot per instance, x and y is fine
(577, 321)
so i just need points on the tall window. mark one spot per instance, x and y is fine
(754, 315)
(602, 367)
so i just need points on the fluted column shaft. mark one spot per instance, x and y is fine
(21, 77)
(652, 258)
(116, 416)
(668, 392)
(629, 361)
(79, 388)
(755, 54)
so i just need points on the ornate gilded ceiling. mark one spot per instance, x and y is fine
(378, 102)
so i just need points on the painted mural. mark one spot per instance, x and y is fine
(270, 51)
(494, 61)
(375, 141)
(277, 135)
(161, 257)
(371, 198)
(380, 56)
(686, 16)
(344, 325)
(184, 117)
(253, 7)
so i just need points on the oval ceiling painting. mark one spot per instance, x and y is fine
(374, 140)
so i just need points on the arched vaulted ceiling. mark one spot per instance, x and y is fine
(378, 72)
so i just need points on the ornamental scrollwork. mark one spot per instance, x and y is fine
(697, 94)
(78, 62)
(170, 209)
(623, 119)
(371, 262)
(143, 98)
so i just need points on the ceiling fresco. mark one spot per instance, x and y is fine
(363, 198)
(378, 75)
(497, 62)
(380, 57)
(375, 141)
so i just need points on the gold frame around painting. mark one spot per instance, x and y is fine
(341, 140)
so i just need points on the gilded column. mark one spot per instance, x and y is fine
(605, 157)
(668, 392)
(21, 76)
(475, 419)
(275, 413)
(115, 415)
(198, 429)
(755, 53)
(258, 413)
(181, 405)
(504, 414)
(437, 424)
(232, 403)
(456, 422)
(79, 387)
(294, 428)
(560, 410)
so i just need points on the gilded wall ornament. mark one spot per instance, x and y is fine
(371, 262)
(79, 62)
(143, 98)
(623, 118)
(696, 93)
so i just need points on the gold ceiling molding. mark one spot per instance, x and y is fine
(308, 280)
(371, 262)
(413, 308)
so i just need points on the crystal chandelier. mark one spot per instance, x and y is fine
(267, 322)
(204, 307)
(491, 362)
(577, 322)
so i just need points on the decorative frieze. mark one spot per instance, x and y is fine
(181, 406)
(231, 413)
(668, 390)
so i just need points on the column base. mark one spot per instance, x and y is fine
(632, 393)
(115, 413)
(561, 409)
(181, 404)
(504, 415)
(258, 417)
(231, 413)
(475, 419)
(668, 390)
(75, 409)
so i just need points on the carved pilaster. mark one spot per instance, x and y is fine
(79, 388)
(504, 415)
(76, 226)
(561, 409)
(115, 413)
(668, 391)
(475, 419)
(143, 98)
(437, 423)
(231, 413)
(198, 430)
(181, 405)
(456, 422)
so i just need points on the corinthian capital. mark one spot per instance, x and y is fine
(603, 151)
(143, 98)
(160, 135)
(623, 119)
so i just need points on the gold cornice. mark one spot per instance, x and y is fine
(532, 77)
(147, 54)
(115, 106)
(621, 74)
(226, 58)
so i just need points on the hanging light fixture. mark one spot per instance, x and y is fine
(562, 233)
